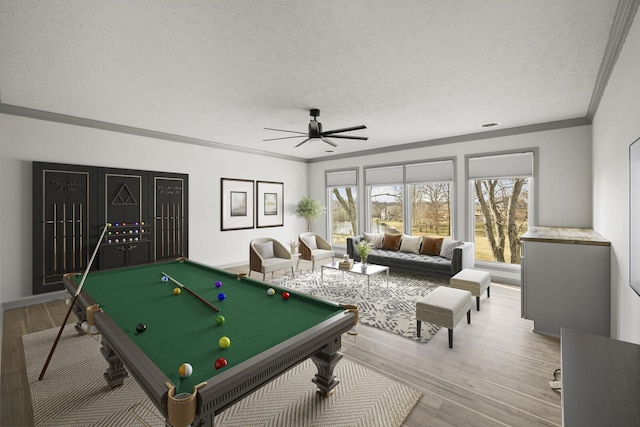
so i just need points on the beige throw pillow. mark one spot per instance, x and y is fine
(265, 250)
(374, 238)
(410, 244)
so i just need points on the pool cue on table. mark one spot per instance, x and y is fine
(211, 306)
(75, 297)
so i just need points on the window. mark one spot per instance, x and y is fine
(413, 198)
(500, 186)
(342, 196)
(429, 194)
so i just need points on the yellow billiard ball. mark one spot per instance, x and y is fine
(176, 291)
(224, 342)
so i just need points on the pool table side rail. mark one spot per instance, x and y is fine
(245, 378)
(149, 376)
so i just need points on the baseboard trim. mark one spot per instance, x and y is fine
(33, 299)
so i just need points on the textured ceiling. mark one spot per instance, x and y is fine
(222, 71)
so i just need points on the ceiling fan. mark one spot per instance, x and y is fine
(316, 132)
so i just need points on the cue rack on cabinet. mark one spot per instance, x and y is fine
(148, 213)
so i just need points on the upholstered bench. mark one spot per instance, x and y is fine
(474, 281)
(444, 307)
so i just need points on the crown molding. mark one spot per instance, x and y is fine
(622, 22)
(31, 113)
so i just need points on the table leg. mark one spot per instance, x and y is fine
(116, 372)
(326, 360)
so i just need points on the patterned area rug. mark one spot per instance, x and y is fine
(74, 393)
(389, 305)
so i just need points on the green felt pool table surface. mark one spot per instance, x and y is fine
(182, 329)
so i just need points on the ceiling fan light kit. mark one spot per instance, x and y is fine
(315, 132)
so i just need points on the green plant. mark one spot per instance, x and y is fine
(310, 210)
(363, 248)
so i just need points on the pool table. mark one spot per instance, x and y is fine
(268, 334)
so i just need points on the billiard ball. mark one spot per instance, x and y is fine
(141, 327)
(220, 319)
(85, 327)
(221, 362)
(176, 291)
(165, 279)
(285, 295)
(185, 370)
(109, 224)
(271, 291)
(221, 296)
(218, 284)
(224, 342)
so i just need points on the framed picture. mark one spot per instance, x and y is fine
(270, 204)
(236, 204)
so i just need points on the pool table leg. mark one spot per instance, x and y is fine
(116, 372)
(326, 360)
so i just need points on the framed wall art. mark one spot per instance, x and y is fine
(270, 204)
(236, 204)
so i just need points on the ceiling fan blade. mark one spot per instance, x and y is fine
(290, 131)
(362, 138)
(285, 137)
(329, 142)
(302, 142)
(329, 132)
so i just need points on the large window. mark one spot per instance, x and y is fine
(501, 192)
(342, 196)
(414, 198)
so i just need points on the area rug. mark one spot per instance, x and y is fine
(73, 393)
(389, 305)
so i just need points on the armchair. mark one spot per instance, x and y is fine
(267, 255)
(314, 247)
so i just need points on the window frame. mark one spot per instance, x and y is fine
(328, 190)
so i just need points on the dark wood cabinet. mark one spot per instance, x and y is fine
(147, 210)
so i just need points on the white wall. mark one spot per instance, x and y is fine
(23, 140)
(563, 183)
(616, 125)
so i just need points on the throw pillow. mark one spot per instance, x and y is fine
(448, 245)
(310, 241)
(265, 250)
(410, 244)
(431, 245)
(374, 238)
(391, 242)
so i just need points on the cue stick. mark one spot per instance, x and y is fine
(207, 303)
(75, 297)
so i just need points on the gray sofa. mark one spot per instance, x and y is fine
(431, 265)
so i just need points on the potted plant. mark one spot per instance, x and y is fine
(310, 210)
(363, 248)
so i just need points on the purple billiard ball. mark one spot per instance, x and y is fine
(221, 296)
(218, 284)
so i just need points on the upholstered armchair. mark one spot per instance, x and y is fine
(314, 247)
(267, 255)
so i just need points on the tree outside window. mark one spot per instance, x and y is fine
(385, 207)
(430, 209)
(343, 213)
(501, 214)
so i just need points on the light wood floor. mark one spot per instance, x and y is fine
(497, 373)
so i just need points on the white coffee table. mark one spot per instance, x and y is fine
(369, 271)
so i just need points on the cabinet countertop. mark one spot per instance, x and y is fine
(576, 236)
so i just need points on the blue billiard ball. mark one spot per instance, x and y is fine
(221, 296)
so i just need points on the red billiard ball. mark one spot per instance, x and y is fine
(220, 363)
(285, 295)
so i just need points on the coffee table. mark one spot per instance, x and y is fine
(357, 268)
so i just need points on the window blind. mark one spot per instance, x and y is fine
(385, 175)
(345, 178)
(513, 165)
(441, 171)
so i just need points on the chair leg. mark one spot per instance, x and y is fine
(263, 274)
(292, 274)
(450, 338)
(477, 303)
(419, 327)
(489, 291)
(469, 316)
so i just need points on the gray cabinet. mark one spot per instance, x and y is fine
(566, 280)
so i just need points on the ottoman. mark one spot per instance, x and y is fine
(444, 307)
(474, 281)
